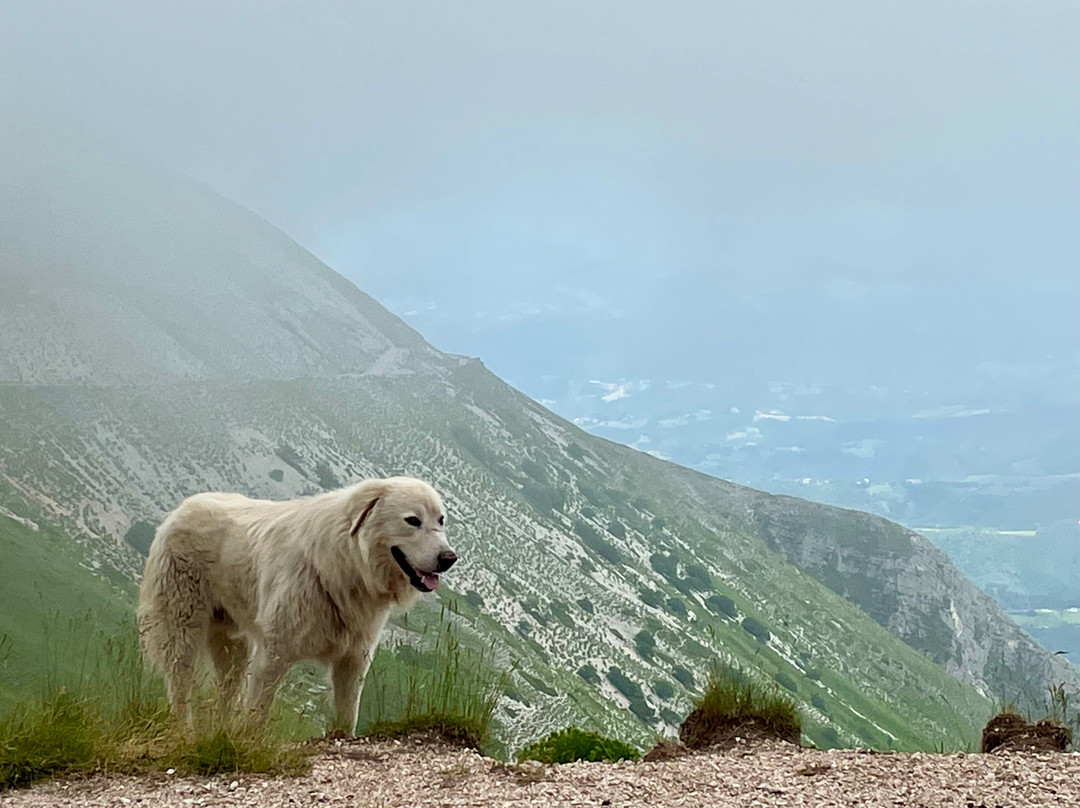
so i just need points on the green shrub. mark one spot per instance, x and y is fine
(139, 536)
(683, 676)
(467, 440)
(327, 478)
(628, 687)
(698, 578)
(543, 497)
(289, 456)
(589, 674)
(676, 607)
(570, 744)
(560, 611)
(755, 628)
(532, 607)
(645, 644)
(830, 739)
(665, 564)
(665, 690)
(597, 543)
(513, 693)
(232, 750)
(721, 605)
(670, 717)
(642, 710)
(534, 470)
(650, 597)
(785, 681)
(586, 605)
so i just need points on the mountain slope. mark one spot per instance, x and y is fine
(46, 594)
(568, 593)
(111, 275)
(607, 580)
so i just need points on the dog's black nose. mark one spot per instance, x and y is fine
(446, 560)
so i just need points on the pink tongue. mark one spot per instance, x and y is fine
(431, 581)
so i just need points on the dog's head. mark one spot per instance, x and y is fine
(399, 523)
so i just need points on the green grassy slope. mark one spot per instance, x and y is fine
(47, 601)
(609, 582)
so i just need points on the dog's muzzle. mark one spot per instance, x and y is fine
(421, 579)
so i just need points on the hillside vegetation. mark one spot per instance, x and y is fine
(169, 342)
(46, 597)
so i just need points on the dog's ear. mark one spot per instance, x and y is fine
(363, 502)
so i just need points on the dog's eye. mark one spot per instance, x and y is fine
(441, 519)
(413, 520)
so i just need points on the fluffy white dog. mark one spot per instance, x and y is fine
(259, 585)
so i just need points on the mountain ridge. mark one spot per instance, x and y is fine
(599, 571)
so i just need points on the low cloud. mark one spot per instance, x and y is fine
(620, 389)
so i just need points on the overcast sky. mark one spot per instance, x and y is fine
(624, 189)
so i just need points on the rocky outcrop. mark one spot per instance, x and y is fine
(911, 588)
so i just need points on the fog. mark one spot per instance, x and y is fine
(841, 193)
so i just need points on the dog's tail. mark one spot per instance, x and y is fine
(174, 607)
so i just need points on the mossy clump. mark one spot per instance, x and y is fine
(570, 744)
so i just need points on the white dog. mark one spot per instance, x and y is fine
(259, 585)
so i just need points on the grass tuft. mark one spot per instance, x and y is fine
(454, 729)
(448, 691)
(570, 744)
(228, 751)
(40, 740)
(732, 704)
(97, 708)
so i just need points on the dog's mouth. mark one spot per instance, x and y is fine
(424, 581)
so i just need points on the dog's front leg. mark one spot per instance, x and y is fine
(347, 677)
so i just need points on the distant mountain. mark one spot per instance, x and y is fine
(159, 341)
(1033, 574)
(113, 276)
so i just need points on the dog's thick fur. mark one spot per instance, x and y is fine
(259, 585)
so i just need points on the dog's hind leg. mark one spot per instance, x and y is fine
(229, 652)
(173, 621)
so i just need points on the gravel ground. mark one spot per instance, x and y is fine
(365, 773)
